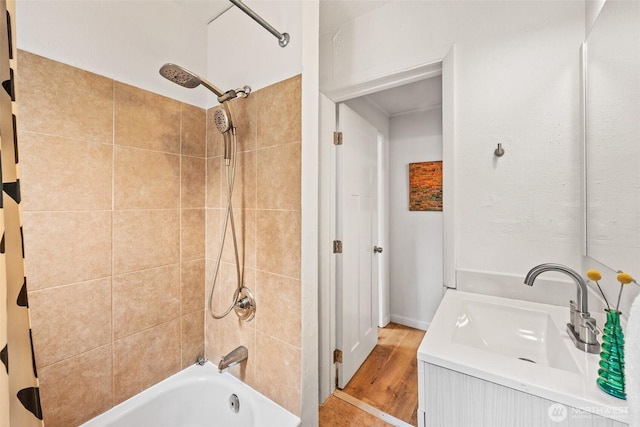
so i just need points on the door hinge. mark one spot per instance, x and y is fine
(337, 356)
(337, 246)
(337, 138)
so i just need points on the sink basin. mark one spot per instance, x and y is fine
(497, 340)
(524, 334)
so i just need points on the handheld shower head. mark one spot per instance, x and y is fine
(222, 120)
(222, 117)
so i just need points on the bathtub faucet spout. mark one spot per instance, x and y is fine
(236, 356)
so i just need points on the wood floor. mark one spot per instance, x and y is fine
(387, 380)
(337, 413)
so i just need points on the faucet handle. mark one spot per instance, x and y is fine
(592, 325)
(586, 334)
(574, 316)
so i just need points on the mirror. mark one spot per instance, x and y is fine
(612, 132)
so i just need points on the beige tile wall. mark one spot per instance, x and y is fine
(113, 188)
(118, 185)
(267, 212)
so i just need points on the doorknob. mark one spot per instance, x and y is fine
(377, 249)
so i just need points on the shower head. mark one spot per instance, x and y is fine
(180, 75)
(186, 78)
(222, 120)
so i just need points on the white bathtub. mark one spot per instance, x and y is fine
(198, 396)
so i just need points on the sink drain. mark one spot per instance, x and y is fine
(527, 360)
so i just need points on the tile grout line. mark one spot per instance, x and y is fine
(180, 246)
(381, 415)
(113, 261)
(205, 344)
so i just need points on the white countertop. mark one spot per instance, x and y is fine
(571, 389)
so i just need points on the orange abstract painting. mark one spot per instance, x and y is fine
(425, 186)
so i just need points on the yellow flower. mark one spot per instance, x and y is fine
(625, 278)
(594, 275)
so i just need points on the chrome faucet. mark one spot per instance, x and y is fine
(236, 356)
(582, 327)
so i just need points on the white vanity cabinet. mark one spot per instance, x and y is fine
(496, 362)
(448, 398)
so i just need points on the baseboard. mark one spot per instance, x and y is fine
(412, 323)
(385, 321)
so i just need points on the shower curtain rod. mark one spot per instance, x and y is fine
(283, 39)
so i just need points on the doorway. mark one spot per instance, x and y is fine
(378, 370)
(409, 122)
(328, 268)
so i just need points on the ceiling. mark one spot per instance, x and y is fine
(418, 96)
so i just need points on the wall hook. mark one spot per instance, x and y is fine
(499, 152)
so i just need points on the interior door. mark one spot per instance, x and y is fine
(356, 267)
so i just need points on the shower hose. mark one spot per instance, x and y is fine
(230, 171)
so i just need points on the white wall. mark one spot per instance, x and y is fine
(517, 82)
(310, 225)
(126, 41)
(415, 248)
(241, 52)
(370, 113)
(593, 8)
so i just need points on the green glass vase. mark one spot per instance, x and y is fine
(611, 372)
